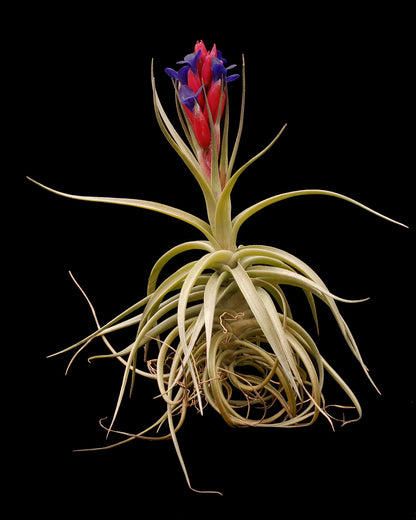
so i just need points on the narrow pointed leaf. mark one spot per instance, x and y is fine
(262, 316)
(252, 210)
(194, 221)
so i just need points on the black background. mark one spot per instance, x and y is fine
(84, 123)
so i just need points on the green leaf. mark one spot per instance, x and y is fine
(231, 183)
(345, 387)
(172, 283)
(240, 125)
(194, 221)
(223, 162)
(222, 223)
(210, 260)
(281, 333)
(164, 259)
(283, 276)
(252, 210)
(169, 131)
(281, 259)
(182, 149)
(266, 321)
(210, 302)
(315, 284)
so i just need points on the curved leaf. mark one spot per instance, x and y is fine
(230, 184)
(210, 301)
(223, 209)
(164, 259)
(283, 276)
(194, 221)
(210, 260)
(247, 213)
(185, 153)
(240, 124)
(261, 312)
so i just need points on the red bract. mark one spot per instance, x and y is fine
(200, 126)
(214, 95)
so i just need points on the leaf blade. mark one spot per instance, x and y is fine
(158, 207)
(262, 316)
(247, 213)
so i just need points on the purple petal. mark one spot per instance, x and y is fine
(188, 97)
(233, 77)
(219, 56)
(172, 73)
(218, 70)
(183, 75)
(191, 60)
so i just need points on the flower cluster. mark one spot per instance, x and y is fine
(202, 91)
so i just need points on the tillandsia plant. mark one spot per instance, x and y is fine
(220, 331)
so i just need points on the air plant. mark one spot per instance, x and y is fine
(220, 331)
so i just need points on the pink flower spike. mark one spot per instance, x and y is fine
(201, 87)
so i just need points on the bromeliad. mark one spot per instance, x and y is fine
(220, 331)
